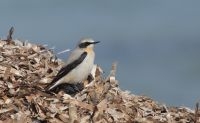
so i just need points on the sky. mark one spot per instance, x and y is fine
(156, 43)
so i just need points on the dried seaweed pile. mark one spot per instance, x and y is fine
(25, 69)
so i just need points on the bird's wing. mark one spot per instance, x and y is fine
(66, 69)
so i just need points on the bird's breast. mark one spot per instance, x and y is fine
(82, 71)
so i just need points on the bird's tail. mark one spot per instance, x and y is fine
(52, 85)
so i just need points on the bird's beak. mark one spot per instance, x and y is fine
(95, 42)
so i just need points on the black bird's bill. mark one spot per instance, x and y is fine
(95, 42)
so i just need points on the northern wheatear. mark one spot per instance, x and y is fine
(78, 65)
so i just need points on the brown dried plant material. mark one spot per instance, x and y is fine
(25, 69)
(72, 113)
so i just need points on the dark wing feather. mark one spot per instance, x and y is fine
(66, 69)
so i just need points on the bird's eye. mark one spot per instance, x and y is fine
(84, 45)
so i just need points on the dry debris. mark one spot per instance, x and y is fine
(25, 69)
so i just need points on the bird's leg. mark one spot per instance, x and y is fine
(67, 88)
(71, 89)
(79, 87)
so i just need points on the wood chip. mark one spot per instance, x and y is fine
(26, 69)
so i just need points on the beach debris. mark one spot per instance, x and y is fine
(26, 69)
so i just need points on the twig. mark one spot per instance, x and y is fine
(72, 113)
(112, 74)
(95, 109)
(114, 69)
(196, 112)
(61, 52)
(10, 33)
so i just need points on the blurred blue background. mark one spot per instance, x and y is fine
(156, 43)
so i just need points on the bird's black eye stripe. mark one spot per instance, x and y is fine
(84, 45)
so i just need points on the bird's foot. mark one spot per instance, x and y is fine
(71, 89)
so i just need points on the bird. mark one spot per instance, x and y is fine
(78, 66)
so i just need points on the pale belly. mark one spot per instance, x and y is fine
(81, 72)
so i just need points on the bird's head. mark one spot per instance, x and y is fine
(87, 43)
